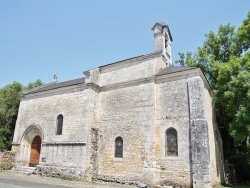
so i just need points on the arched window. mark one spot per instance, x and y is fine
(118, 147)
(171, 142)
(59, 124)
(166, 40)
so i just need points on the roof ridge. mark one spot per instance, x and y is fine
(55, 85)
(70, 79)
(140, 56)
(38, 87)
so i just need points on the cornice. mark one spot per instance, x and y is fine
(188, 73)
(127, 83)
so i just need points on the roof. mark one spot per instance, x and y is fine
(54, 85)
(137, 58)
(164, 25)
(169, 70)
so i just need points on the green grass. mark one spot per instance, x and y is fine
(2, 171)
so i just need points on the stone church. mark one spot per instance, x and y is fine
(136, 121)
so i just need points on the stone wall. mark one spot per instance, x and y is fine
(215, 141)
(130, 70)
(171, 111)
(7, 159)
(128, 112)
(64, 151)
(140, 111)
(71, 155)
(126, 109)
(43, 110)
(199, 135)
(63, 172)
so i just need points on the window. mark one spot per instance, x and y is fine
(118, 147)
(171, 142)
(166, 40)
(59, 124)
(166, 43)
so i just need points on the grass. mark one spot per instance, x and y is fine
(3, 171)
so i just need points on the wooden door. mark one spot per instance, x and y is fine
(35, 151)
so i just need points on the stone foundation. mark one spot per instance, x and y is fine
(60, 172)
(122, 180)
(7, 159)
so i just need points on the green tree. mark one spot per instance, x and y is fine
(9, 104)
(32, 85)
(225, 60)
(244, 33)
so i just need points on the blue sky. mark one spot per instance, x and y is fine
(66, 37)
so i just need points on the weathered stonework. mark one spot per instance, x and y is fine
(137, 100)
(60, 172)
(7, 160)
(172, 112)
(200, 157)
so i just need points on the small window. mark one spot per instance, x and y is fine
(166, 40)
(59, 124)
(118, 147)
(171, 142)
(166, 43)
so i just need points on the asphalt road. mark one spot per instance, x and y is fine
(12, 183)
(9, 179)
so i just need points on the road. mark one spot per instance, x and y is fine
(9, 179)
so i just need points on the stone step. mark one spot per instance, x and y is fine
(24, 169)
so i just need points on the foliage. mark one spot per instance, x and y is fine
(32, 85)
(9, 104)
(225, 60)
(244, 33)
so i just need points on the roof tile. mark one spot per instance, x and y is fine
(55, 85)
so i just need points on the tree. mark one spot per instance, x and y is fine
(244, 33)
(9, 104)
(32, 85)
(224, 58)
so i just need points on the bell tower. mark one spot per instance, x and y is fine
(162, 40)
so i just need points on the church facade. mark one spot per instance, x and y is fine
(137, 120)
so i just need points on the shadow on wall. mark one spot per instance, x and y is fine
(218, 150)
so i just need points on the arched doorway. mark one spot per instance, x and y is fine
(35, 151)
(30, 146)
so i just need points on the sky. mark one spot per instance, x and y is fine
(41, 38)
